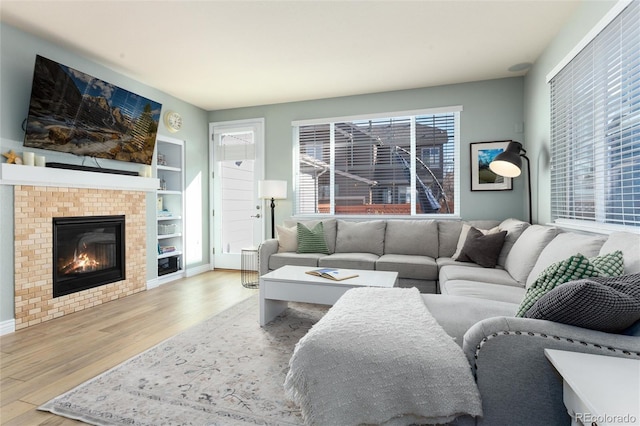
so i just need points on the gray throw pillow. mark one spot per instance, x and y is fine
(413, 237)
(482, 249)
(610, 304)
(361, 237)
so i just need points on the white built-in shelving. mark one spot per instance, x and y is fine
(169, 168)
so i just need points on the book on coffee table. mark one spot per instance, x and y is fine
(332, 274)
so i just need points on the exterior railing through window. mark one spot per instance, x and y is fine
(394, 164)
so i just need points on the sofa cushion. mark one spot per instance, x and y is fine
(287, 238)
(329, 226)
(629, 244)
(361, 237)
(278, 260)
(419, 237)
(443, 261)
(483, 290)
(448, 235)
(465, 271)
(482, 249)
(311, 240)
(364, 261)
(483, 223)
(573, 268)
(561, 247)
(527, 248)
(514, 228)
(446, 310)
(609, 304)
(409, 266)
(423, 286)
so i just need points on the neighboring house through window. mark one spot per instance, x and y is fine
(368, 165)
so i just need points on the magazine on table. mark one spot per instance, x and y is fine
(332, 274)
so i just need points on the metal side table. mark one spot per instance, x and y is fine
(249, 267)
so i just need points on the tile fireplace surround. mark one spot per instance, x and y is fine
(36, 205)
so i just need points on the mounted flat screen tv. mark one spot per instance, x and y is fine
(73, 112)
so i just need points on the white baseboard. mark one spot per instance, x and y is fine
(152, 284)
(156, 282)
(8, 326)
(191, 271)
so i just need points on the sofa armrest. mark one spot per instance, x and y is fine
(265, 250)
(517, 383)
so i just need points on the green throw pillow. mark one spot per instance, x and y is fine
(311, 240)
(609, 265)
(573, 268)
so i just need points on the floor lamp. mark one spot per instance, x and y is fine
(509, 164)
(274, 190)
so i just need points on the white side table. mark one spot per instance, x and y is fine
(598, 390)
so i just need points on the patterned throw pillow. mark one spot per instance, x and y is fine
(609, 265)
(312, 240)
(573, 268)
(610, 304)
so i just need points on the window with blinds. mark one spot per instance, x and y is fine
(393, 165)
(595, 128)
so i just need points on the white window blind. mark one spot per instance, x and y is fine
(395, 165)
(595, 128)
(235, 146)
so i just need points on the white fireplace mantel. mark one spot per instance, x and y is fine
(14, 174)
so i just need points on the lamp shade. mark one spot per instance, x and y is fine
(509, 162)
(276, 189)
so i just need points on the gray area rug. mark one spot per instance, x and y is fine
(225, 371)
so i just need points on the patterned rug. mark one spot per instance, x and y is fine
(225, 371)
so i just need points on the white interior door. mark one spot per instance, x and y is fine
(237, 166)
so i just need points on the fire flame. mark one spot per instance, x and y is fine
(81, 263)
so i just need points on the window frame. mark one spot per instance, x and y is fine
(455, 110)
(563, 212)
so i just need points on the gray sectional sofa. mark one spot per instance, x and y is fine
(413, 248)
(477, 306)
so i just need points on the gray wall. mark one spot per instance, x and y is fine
(493, 110)
(17, 57)
(537, 101)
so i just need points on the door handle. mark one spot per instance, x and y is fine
(257, 216)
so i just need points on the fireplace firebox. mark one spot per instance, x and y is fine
(88, 251)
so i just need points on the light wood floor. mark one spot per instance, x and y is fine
(43, 361)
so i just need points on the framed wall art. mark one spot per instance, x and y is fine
(482, 178)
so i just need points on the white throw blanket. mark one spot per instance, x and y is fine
(379, 357)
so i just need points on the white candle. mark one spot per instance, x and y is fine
(40, 161)
(28, 158)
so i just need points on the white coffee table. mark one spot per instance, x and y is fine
(293, 284)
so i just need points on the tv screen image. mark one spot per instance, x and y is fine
(73, 112)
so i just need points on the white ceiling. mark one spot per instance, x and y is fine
(226, 54)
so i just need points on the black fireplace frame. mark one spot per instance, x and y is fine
(70, 285)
